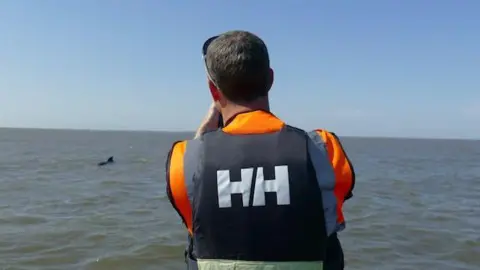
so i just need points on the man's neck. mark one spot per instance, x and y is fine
(231, 110)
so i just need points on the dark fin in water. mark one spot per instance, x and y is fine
(109, 160)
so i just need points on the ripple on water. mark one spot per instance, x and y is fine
(22, 219)
(138, 257)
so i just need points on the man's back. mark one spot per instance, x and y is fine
(255, 195)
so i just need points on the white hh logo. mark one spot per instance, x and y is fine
(280, 185)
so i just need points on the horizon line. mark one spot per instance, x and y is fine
(192, 131)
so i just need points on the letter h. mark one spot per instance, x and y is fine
(226, 188)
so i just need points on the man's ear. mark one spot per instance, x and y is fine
(214, 91)
(271, 79)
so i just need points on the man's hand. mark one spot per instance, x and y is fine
(210, 122)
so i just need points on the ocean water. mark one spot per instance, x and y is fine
(416, 204)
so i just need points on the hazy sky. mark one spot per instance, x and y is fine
(382, 68)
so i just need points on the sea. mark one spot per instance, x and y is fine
(416, 202)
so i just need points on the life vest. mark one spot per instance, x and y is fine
(259, 194)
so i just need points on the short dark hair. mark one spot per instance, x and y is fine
(239, 65)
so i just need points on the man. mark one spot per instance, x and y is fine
(257, 193)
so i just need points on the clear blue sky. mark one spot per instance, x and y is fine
(368, 68)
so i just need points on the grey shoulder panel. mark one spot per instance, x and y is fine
(326, 180)
(191, 162)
